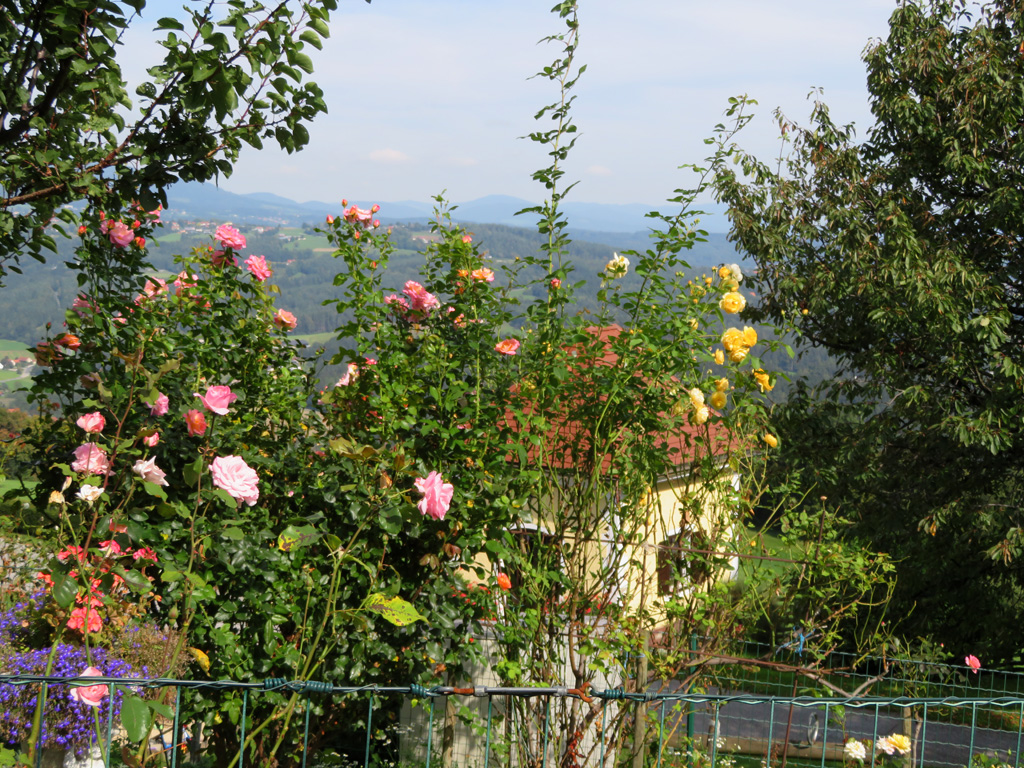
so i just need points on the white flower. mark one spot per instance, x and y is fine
(149, 471)
(735, 273)
(855, 750)
(89, 493)
(617, 267)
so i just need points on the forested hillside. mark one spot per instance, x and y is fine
(304, 270)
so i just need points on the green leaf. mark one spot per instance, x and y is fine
(396, 610)
(135, 717)
(65, 590)
(192, 472)
(293, 538)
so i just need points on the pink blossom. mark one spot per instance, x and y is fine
(75, 551)
(258, 267)
(81, 304)
(151, 440)
(220, 259)
(285, 319)
(556, 283)
(467, 239)
(119, 234)
(140, 241)
(422, 301)
(92, 422)
(91, 695)
(149, 471)
(151, 289)
(196, 421)
(398, 304)
(183, 282)
(160, 405)
(973, 663)
(437, 495)
(507, 346)
(350, 375)
(145, 553)
(229, 237)
(233, 475)
(68, 341)
(217, 399)
(78, 620)
(110, 548)
(356, 215)
(483, 274)
(91, 459)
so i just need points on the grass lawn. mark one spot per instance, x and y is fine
(7, 345)
(317, 338)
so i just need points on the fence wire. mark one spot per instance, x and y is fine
(730, 713)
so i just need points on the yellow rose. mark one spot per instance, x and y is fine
(720, 357)
(700, 415)
(732, 303)
(730, 285)
(722, 384)
(694, 324)
(763, 380)
(696, 397)
(749, 336)
(724, 272)
(738, 355)
(771, 439)
(732, 339)
(718, 400)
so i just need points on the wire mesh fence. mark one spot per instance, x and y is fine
(745, 707)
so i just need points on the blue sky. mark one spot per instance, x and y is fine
(432, 95)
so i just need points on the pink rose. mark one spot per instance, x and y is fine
(160, 405)
(285, 319)
(556, 283)
(184, 281)
(217, 399)
(90, 694)
(350, 375)
(437, 495)
(232, 474)
(421, 299)
(229, 237)
(120, 234)
(149, 472)
(972, 662)
(92, 422)
(151, 440)
(398, 304)
(356, 215)
(91, 459)
(196, 421)
(145, 553)
(507, 346)
(258, 267)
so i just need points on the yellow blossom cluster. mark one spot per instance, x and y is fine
(700, 412)
(738, 343)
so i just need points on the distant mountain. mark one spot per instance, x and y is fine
(206, 201)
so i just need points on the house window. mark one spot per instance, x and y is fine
(683, 560)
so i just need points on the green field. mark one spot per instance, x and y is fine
(7, 346)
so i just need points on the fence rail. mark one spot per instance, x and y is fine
(678, 727)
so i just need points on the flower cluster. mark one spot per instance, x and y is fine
(738, 343)
(895, 744)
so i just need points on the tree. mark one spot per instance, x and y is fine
(902, 256)
(69, 130)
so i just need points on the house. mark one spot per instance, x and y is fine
(634, 515)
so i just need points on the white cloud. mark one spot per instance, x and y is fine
(599, 170)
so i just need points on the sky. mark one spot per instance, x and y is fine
(426, 96)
